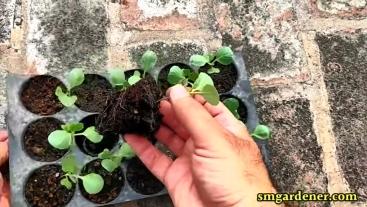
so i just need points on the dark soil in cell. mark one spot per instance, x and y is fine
(226, 79)
(108, 142)
(135, 110)
(162, 77)
(93, 93)
(36, 140)
(43, 188)
(38, 95)
(141, 179)
(242, 109)
(113, 182)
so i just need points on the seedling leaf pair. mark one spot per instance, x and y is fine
(148, 61)
(111, 161)
(63, 139)
(232, 104)
(74, 78)
(261, 132)
(134, 78)
(117, 78)
(92, 183)
(224, 56)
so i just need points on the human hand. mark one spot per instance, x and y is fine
(4, 187)
(217, 164)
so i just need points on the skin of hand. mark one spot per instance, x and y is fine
(4, 187)
(217, 165)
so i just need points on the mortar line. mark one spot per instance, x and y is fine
(322, 123)
(324, 24)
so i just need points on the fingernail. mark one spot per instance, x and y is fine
(178, 92)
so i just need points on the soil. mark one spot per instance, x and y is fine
(36, 140)
(141, 179)
(134, 110)
(113, 183)
(93, 93)
(43, 188)
(38, 95)
(163, 74)
(109, 140)
(242, 109)
(226, 79)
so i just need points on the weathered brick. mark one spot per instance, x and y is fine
(344, 65)
(162, 14)
(62, 35)
(351, 9)
(296, 162)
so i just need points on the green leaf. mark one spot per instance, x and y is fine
(73, 127)
(92, 135)
(106, 154)
(213, 70)
(210, 56)
(69, 164)
(225, 55)
(198, 61)
(175, 75)
(148, 61)
(126, 151)
(202, 80)
(65, 182)
(210, 93)
(75, 77)
(261, 132)
(109, 165)
(232, 104)
(60, 139)
(93, 183)
(117, 77)
(135, 78)
(66, 100)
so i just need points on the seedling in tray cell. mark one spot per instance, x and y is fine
(74, 78)
(202, 84)
(232, 104)
(111, 161)
(65, 138)
(92, 183)
(223, 55)
(261, 132)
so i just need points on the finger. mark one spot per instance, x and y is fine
(225, 117)
(169, 138)
(3, 135)
(205, 131)
(170, 120)
(4, 193)
(157, 162)
(4, 152)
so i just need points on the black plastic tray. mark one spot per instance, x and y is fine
(21, 165)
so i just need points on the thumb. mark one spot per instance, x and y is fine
(205, 131)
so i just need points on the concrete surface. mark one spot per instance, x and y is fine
(307, 61)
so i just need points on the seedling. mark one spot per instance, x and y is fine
(224, 56)
(261, 132)
(117, 76)
(92, 183)
(65, 138)
(232, 104)
(74, 79)
(202, 85)
(111, 161)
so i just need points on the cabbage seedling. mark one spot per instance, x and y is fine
(261, 132)
(202, 85)
(146, 63)
(92, 183)
(224, 56)
(65, 138)
(111, 161)
(232, 104)
(74, 79)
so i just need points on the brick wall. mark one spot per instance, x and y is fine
(307, 61)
